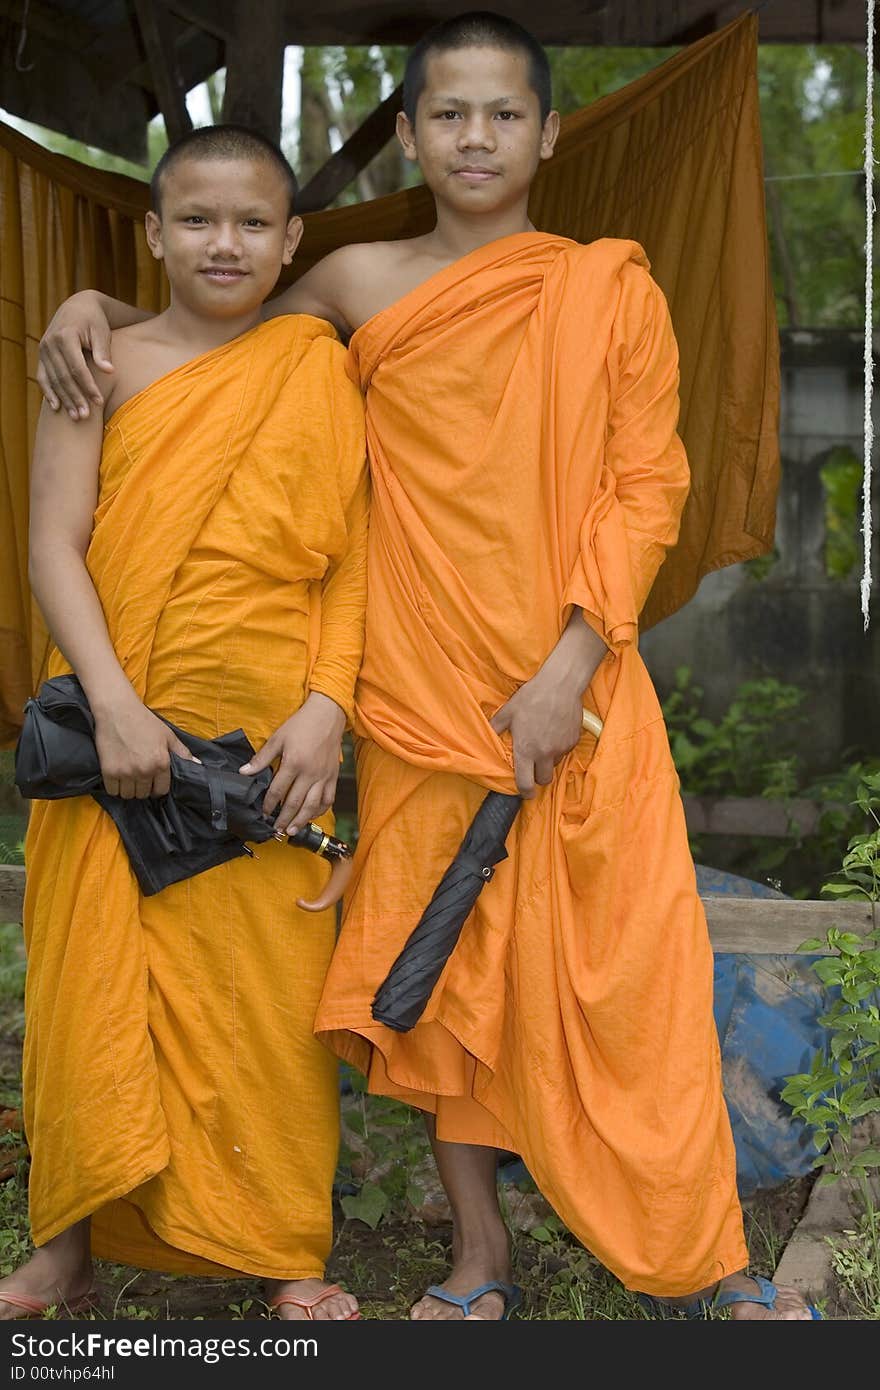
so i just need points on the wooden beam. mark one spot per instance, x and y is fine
(158, 37)
(255, 67)
(216, 17)
(355, 155)
(771, 926)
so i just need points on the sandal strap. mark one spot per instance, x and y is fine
(305, 1303)
(511, 1294)
(26, 1302)
(766, 1295)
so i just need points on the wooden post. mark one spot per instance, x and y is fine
(255, 67)
(155, 25)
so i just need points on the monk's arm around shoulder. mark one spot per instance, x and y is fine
(78, 338)
(133, 745)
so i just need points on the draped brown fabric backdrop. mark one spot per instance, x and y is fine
(672, 160)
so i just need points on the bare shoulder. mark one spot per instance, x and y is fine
(140, 354)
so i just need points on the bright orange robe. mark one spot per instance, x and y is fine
(173, 1085)
(521, 417)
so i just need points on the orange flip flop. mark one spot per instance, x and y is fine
(310, 1304)
(32, 1307)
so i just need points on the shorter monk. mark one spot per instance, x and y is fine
(198, 550)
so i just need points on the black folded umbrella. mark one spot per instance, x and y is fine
(204, 820)
(401, 1000)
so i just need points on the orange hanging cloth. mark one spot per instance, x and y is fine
(521, 425)
(173, 1088)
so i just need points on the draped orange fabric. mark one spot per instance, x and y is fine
(172, 1083)
(672, 161)
(521, 428)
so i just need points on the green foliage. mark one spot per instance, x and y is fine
(856, 1262)
(752, 750)
(749, 751)
(842, 1086)
(841, 476)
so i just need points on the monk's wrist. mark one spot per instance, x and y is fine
(328, 709)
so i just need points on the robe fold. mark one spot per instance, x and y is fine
(173, 1087)
(521, 427)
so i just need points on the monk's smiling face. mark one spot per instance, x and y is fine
(478, 134)
(224, 232)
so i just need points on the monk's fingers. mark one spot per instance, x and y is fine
(46, 387)
(292, 804)
(161, 785)
(127, 788)
(70, 375)
(99, 346)
(314, 804)
(278, 788)
(524, 771)
(181, 750)
(266, 756)
(544, 770)
(111, 786)
(500, 720)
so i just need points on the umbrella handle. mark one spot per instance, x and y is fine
(333, 888)
(592, 723)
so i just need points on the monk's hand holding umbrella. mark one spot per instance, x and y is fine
(545, 719)
(305, 750)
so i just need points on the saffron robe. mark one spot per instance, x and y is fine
(521, 428)
(173, 1088)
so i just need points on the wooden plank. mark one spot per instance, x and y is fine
(156, 31)
(354, 155)
(755, 815)
(770, 926)
(255, 67)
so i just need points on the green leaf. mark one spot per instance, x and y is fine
(541, 1233)
(369, 1206)
(866, 1158)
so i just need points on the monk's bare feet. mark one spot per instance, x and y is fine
(337, 1307)
(59, 1275)
(483, 1264)
(790, 1306)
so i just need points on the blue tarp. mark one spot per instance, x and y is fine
(766, 1011)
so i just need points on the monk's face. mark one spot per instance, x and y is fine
(223, 232)
(478, 135)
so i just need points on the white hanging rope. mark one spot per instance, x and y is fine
(869, 314)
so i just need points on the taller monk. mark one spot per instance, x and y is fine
(198, 549)
(521, 395)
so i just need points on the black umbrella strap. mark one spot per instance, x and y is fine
(218, 798)
(473, 864)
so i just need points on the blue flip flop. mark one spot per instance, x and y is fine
(511, 1293)
(766, 1297)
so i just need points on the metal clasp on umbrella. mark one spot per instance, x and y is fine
(401, 999)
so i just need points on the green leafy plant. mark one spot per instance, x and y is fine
(843, 1083)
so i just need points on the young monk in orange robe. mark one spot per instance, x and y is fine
(521, 399)
(207, 562)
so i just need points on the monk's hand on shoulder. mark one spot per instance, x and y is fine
(134, 749)
(543, 719)
(64, 375)
(305, 753)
